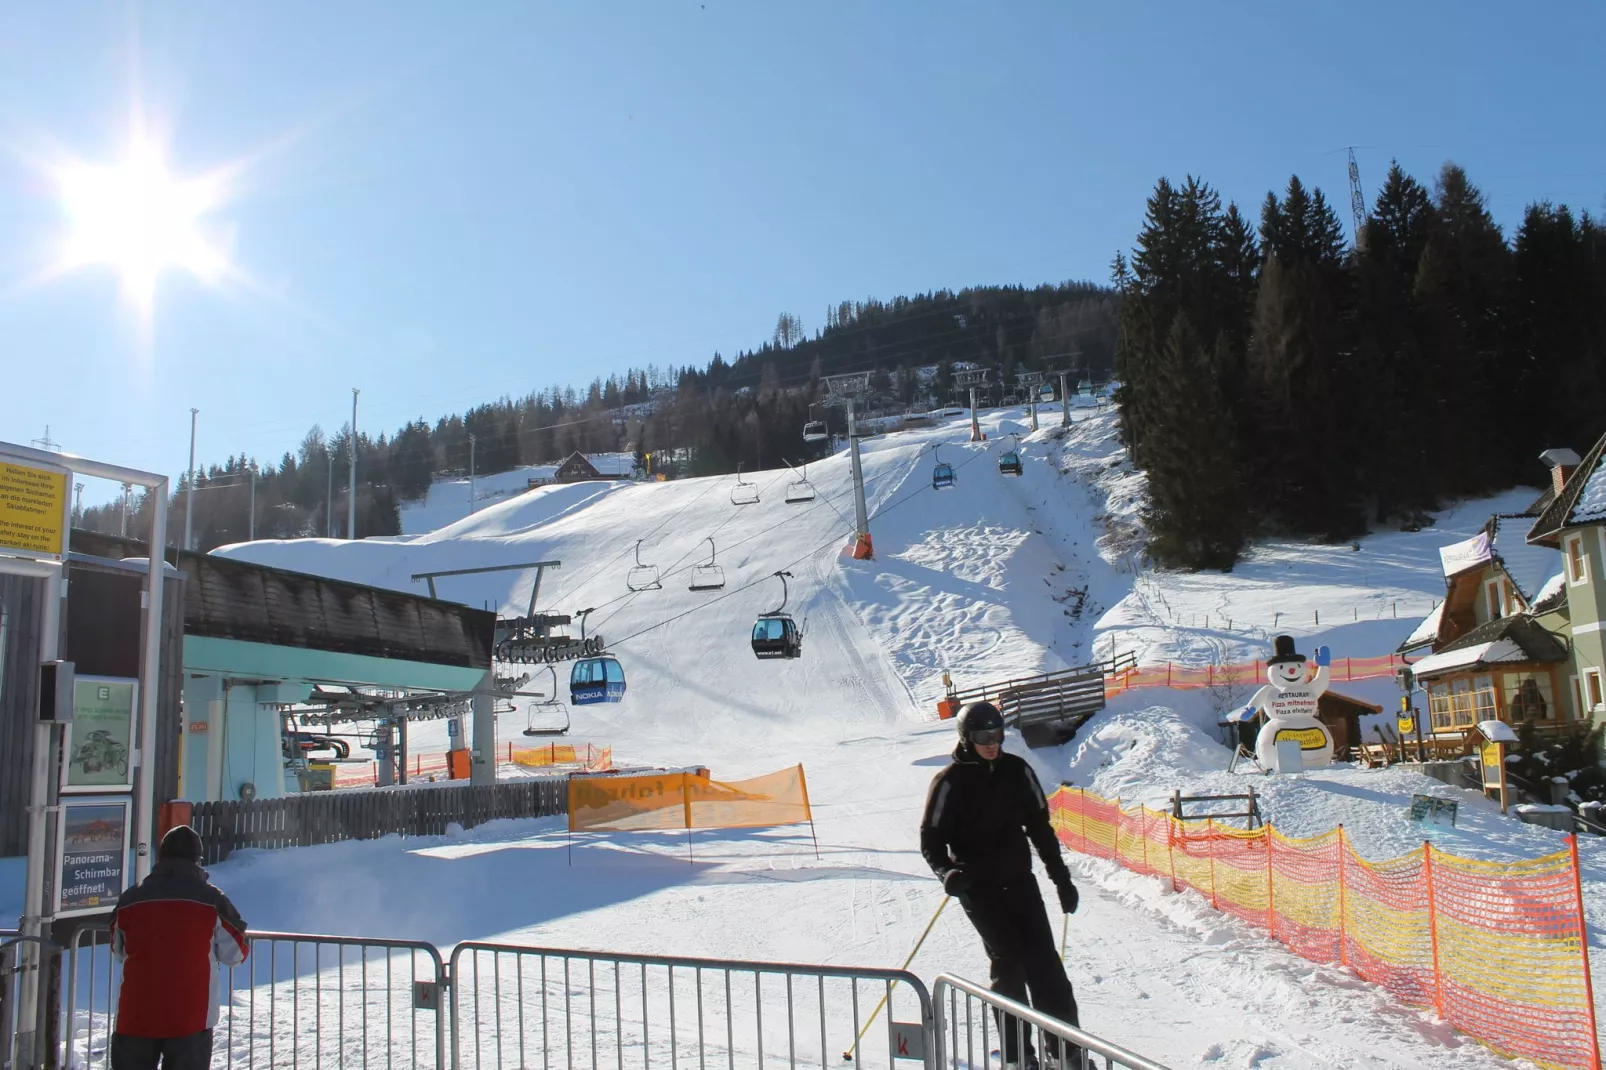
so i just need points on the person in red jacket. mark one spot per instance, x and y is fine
(171, 932)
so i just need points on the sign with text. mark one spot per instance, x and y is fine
(100, 740)
(92, 844)
(1428, 808)
(33, 509)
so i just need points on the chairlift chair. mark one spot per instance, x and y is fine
(743, 493)
(643, 577)
(709, 577)
(548, 716)
(814, 431)
(943, 474)
(776, 634)
(800, 490)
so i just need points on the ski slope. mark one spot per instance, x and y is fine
(990, 578)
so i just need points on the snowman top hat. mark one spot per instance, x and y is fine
(1285, 651)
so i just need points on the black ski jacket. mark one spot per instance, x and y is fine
(979, 816)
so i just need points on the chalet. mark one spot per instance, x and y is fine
(1518, 637)
(580, 467)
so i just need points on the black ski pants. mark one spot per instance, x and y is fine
(1013, 926)
(193, 1052)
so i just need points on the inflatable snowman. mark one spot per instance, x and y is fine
(1289, 702)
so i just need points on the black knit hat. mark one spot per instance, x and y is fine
(1285, 651)
(181, 842)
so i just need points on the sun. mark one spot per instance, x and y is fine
(138, 218)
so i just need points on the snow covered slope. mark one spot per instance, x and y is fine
(990, 578)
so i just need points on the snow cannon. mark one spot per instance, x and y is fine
(1289, 701)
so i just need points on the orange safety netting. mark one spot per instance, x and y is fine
(1499, 949)
(1188, 677)
(551, 754)
(688, 801)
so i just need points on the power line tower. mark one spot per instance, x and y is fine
(974, 379)
(1357, 203)
(845, 390)
(45, 443)
(1029, 382)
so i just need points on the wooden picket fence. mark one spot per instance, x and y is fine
(333, 816)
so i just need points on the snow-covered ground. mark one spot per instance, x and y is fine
(448, 500)
(991, 578)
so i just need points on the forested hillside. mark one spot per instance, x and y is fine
(749, 409)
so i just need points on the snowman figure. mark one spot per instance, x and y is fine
(1289, 702)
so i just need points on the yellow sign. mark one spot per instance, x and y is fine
(33, 509)
(1491, 755)
(1405, 724)
(1309, 738)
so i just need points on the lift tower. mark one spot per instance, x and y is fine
(846, 390)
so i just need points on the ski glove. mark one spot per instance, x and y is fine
(956, 882)
(1069, 897)
(1324, 657)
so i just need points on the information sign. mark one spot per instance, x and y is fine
(99, 748)
(92, 845)
(33, 509)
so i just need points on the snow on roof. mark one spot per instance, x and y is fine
(1551, 588)
(613, 464)
(1591, 505)
(1529, 566)
(1427, 631)
(1469, 553)
(1466, 657)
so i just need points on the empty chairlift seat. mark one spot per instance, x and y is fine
(709, 576)
(643, 577)
(743, 493)
(814, 431)
(549, 716)
(800, 490)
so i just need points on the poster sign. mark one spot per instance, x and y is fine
(92, 840)
(33, 509)
(1492, 762)
(100, 740)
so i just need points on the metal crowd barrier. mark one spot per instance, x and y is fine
(969, 1020)
(296, 1001)
(524, 1007)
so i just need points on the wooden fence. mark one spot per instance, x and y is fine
(333, 816)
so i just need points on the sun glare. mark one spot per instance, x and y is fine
(139, 219)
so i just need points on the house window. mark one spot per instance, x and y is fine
(1577, 559)
(1491, 595)
(1594, 698)
(1455, 706)
(1528, 697)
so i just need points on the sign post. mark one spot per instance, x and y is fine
(35, 538)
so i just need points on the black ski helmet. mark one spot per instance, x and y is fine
(978, 717)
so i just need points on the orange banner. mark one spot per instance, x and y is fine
(687, 801)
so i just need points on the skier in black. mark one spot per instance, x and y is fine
(980, 813)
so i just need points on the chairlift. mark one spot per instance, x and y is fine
(1046, 392)
(548, 716)
(709, 577)
(815, 430)
(776, 634)
(943, 474)
(643, 577)
(743, 493)
(800, 490)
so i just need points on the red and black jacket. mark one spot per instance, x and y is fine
(171, 932)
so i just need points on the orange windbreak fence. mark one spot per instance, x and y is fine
(687, 801)
(1498, 949)
(1188, 677)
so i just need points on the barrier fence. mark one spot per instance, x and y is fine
(1243, 674)
(970, 1018)
(585, 756)
(1498, 949)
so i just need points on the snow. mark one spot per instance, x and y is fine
(447, 500)
(1497, 731)
(992, 578)
(1468, 554)
(1488, 653)
(1550, 588)
(1591, 504)
(1427, 631)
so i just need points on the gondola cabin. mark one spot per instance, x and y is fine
(594, 680)
(776, 635)
(942, 475)
(1009, 464)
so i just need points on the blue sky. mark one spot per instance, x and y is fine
(441, 204)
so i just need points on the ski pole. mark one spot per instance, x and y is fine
(1065, 930)
(847, 1056)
